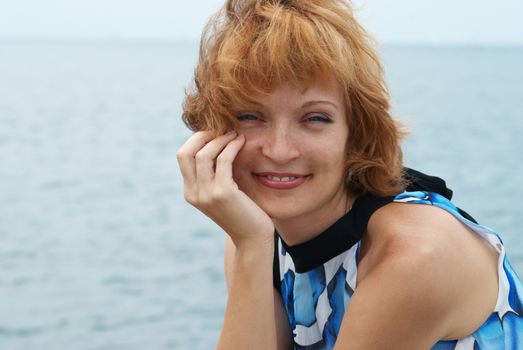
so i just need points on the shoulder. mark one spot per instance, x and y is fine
(400, 295)
(426, 230)
(413, 238)
(432, 261)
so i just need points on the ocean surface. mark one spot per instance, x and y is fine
(99, 251)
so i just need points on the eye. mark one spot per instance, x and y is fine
(248, 117)
(318, 118)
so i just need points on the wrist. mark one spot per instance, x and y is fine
(255, 240)
(261, 249)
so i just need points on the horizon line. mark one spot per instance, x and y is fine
(195, 41)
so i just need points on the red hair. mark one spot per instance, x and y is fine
(252, 46)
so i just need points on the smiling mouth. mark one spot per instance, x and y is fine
(282, 178)
(281, 181)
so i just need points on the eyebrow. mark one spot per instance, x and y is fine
(315, 102)
(305, 105)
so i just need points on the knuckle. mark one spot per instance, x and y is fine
(210, 198)
(201, 156)
(189, 197)
(199, 200)
(180, 154)
(204, 200)
(223, 159)
(220, 194)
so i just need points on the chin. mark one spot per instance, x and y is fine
(281, 208)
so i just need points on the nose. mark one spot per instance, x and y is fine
(280, 146)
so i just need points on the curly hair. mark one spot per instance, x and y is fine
(251, 46)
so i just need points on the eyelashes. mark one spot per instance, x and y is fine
(313, 118)
(319, 118)
(247, 117)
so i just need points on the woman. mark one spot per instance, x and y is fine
(298, 160)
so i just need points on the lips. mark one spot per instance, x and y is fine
(281, 178)
(281, 181)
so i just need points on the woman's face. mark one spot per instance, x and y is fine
(292, 164)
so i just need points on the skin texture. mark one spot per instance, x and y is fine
(206, 165)
(301, 133)
(414, 287)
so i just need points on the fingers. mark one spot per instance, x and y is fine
(226, 158)
(197, 159)
(206, 157)
(187, 152)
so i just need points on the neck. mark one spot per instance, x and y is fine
(301, 229)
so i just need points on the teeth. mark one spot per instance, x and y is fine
(281, 179)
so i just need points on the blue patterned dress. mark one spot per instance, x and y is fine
(317, 282)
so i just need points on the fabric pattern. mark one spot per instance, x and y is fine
(316, 300)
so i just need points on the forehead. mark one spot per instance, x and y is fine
(293, 94)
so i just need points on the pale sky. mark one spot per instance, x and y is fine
(477, 22)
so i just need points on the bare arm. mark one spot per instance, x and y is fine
(415, 288)
(395, 307)
(260, 301)
(206, 166)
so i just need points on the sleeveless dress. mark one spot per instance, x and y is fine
(317, 278)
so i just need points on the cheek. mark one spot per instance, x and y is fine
(248, 151)
(333, 163)
(242, 164)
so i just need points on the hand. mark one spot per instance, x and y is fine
(206, 166)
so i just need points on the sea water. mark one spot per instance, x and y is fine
(99, 251)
